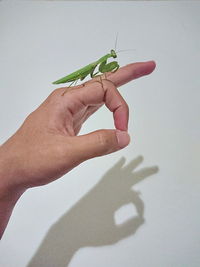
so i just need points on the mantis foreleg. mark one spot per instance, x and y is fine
(106, 67)
(92, 74)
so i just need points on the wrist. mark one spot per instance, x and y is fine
(10, 192)
(10, 189)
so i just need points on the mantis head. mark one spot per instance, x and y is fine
(113, 53)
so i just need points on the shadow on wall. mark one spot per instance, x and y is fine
(90, 222)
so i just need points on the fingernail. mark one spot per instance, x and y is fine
(123, 138)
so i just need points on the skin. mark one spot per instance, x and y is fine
(47, 145)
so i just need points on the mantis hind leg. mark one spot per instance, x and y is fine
(74, 82)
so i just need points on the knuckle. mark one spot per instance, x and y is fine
(55, 91)
(103, 140)
(108, 84)
(59, 91)
(71, 94)
(126, 106)
(103, 83)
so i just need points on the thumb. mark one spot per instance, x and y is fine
(99, 143)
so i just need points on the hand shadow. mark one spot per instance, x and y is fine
(90, 222)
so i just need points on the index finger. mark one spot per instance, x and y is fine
(128, 73)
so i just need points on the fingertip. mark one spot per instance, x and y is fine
(121, 116)
(144, 68)
(123, 138)
(151, 66)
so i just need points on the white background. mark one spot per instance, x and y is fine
(94, 216)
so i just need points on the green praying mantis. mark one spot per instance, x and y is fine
(89, 69)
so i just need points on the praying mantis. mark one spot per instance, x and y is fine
(89, 69)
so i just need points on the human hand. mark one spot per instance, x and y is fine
(46, 146)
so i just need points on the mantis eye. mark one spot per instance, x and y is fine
(113, 53)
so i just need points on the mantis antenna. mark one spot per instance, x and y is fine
(125, 50)
(121, 50)
(116, 41)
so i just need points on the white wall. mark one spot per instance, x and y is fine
(72, 222)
